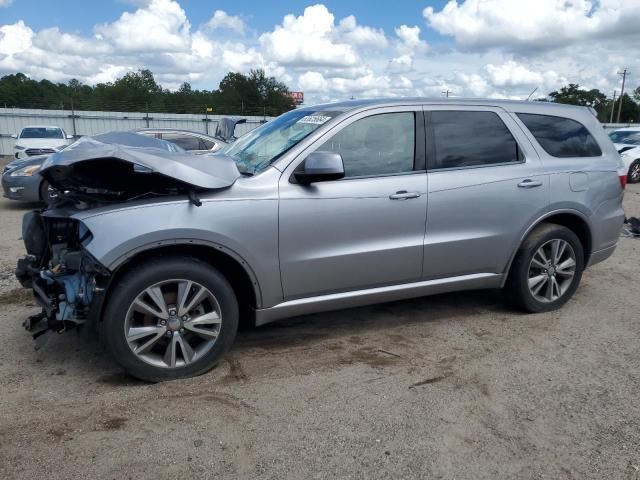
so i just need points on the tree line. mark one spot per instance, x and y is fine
(606, 108)
(238, 94)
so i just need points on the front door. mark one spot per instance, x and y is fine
(367, 229)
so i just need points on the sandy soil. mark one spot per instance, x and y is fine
(452, 386)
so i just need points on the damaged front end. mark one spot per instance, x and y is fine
(104, 171)
(59, 270)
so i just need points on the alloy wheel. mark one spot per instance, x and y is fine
(634, 172)
(173, 323)
(551, 270)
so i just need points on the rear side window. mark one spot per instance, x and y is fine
(561, 137)
(471, 139)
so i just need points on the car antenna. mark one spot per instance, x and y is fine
(193, 198)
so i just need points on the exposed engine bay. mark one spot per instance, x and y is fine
(58, 269)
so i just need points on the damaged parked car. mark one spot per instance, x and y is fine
(196, 142)
(323, 208)
(21, 178)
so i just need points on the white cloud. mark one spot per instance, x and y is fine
(511, 24)
(498, 50)
(162, 25)
(222, 20)
(308, 40)
(5, 3)
(408, 45)
(352, 33)
(513, 74)
(410, 38)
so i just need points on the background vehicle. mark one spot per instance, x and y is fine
(631, 161)
(21, 179)
(196, 142)
(39, 140)
(193, 142)
(621, 136)
(323, 208)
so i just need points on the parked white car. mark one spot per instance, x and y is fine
(39, 140)
(621, 137)
(631, 160)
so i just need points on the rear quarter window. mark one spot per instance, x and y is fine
(561, 137)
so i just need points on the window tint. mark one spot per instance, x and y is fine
(470, 138)
(378, 145)
(187, 142)
(561, 137)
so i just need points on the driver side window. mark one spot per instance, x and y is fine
(381, 144)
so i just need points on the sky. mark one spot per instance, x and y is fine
(331, 50)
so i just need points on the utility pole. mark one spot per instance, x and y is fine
(446, 92)
(624, 77)
(613, 106)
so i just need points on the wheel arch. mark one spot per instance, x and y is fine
(573, 220)
(233, 267)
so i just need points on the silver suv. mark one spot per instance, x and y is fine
(323, 208)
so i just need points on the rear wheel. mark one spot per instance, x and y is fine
(634, 172)
(170, 318)
(547, 269)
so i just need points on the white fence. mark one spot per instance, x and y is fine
(80, 123)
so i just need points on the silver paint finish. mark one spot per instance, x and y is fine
(371, 296)
(476, 216)
(350, 242)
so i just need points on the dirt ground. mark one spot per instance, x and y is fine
(451, 386)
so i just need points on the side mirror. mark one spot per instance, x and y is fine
(69, 137)
(14, 135)
(320, 167)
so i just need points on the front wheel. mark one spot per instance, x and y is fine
(170, 318)
(547, 269)
(634, 172)
(47, 193)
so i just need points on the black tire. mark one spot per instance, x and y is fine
(634, 172)
(517, 285)
(45, 193)
(149, 273)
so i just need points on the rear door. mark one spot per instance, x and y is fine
(367, 229)
(486, 186)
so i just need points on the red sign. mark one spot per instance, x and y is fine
(298, 97)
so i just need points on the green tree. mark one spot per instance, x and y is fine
(574, 95)
(255, 94)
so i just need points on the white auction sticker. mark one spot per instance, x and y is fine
(315, 119)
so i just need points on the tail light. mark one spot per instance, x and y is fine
(622, 176)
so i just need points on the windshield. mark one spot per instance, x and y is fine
(633, 139)
(620, 136)
(256, 150)
(41, 132)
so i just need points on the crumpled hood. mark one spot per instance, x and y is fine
(96, 156)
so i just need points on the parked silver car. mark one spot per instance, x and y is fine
(323, 208)
(196, 142)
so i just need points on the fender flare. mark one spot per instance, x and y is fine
(537, 222)
(122, 259)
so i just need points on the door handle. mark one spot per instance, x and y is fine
(404, 195)
(528, 183)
